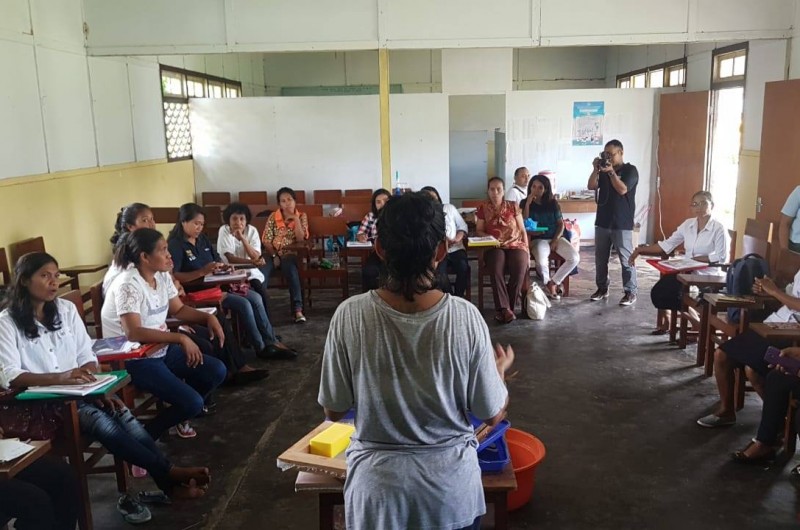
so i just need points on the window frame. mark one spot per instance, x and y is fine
(667, 67)
(185, 75)
(720, 54)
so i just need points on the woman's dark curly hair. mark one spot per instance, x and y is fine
(410, 228)
(234, 208)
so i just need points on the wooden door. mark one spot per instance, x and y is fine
(682, 148)
(779, 165)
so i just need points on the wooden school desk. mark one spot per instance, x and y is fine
(70, 435)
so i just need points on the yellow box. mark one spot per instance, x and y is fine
(332, 440)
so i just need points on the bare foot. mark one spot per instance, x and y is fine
(189, 491)
(200, 475)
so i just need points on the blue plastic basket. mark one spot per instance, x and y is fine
(494, 434)
(494, 458)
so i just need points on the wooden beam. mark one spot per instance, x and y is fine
(386, 146)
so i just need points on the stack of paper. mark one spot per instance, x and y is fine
(101, 380)
(114, 345)
(483, 241)
(678, 264)
(359, 244)
(13, 449)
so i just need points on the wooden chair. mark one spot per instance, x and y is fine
(5, 270)
(165, 215)
(213, 216)
(327, 196)
(253, 197)
(354, 213)
(36, 244)
(788, 265)
(756, 238)
(311, 210)
(320, 229)
(472, 203)
(357, 199)
(300, 196)
(216, 198)
(364, 192)
(94, 451)
(260, 210)
(684, 316)
(259, 223)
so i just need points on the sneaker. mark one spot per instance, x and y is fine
(299, 318)
(628, 299)
(712, 421)
(133, 512)
(184, 430)
(599, 295)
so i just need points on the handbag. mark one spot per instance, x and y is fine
(536, 302)
(213, 294)
(31, 421)
(239, 288)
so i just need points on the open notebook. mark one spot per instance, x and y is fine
(13, 449)
(102, 380)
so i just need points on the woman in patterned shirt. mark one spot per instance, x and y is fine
(285, 227)
(368, 231)
(503, 220)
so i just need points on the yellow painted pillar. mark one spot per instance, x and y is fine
(386, 146)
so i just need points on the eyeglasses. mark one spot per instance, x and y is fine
(696, 204)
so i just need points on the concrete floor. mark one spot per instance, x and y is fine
(615, 407)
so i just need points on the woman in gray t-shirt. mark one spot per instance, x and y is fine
(414, 362)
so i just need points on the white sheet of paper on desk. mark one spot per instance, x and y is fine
(76, 390)
(13, 449)
(359, 244)
(681, 263)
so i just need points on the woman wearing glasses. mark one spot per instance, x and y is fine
(704, 239)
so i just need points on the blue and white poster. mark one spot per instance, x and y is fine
(587, 122)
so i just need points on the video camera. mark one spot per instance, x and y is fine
(605, 159)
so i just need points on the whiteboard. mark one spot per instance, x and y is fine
(305, 143)
(539, 136)
(419, 132)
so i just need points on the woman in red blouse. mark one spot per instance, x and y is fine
(503, 220)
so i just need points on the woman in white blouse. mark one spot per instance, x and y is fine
(704, 239)
(455, 230)
(43, 341)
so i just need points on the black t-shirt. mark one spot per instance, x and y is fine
(189, 258)
(615, 211)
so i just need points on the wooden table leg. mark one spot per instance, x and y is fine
(72, 435)
(500, 501)
(708, 341)
(327, 502)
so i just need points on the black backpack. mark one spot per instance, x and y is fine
(741, 275)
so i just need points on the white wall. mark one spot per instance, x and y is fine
(213, 26)
(317, 142)
(306, 143)
(560, 68)
(539, 136)
(477, 70)
(766, 61)
(62, 110)
(794, 52)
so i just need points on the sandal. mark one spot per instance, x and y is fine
(763, 460)
(551, 291)
(659, 332)
(153, 497)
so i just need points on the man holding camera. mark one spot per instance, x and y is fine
(615, 182)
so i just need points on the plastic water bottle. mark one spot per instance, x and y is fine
(397, 189)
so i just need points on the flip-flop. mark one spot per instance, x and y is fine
(153, 497)
(659, 332)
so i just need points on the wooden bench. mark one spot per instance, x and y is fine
(329, 491)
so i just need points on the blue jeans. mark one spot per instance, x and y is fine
(253, 316)
(122, 434)
(289, 269)
(172, 381)
(623, 242)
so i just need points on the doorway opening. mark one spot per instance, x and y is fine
(726, 139)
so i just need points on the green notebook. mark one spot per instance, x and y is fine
(27, 395)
